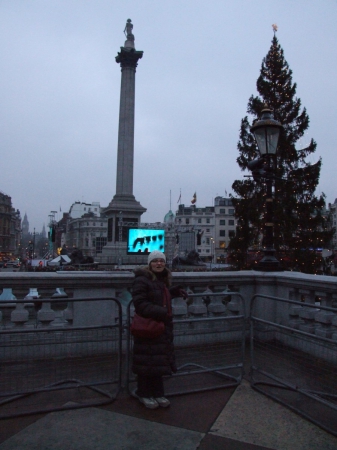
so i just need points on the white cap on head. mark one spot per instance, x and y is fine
(156, 254)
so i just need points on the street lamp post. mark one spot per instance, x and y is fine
(212, 251)
(52, 229)
(34, 243)
(266, 132)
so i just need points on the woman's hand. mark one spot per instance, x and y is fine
(177, 291)
(183, 294)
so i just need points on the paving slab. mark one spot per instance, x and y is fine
(213, 442)
(196, 412)
(97, 429)
(254, 418)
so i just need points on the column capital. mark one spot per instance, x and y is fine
(128, 57)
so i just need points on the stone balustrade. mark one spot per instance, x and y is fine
(39, 289)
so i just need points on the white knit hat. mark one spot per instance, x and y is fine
(156, 255)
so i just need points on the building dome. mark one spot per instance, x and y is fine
(169, 217)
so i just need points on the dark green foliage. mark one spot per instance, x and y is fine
(299, 224)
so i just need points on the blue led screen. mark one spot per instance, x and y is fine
(144, 241)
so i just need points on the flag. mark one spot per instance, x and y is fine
(194, 199)
(179, 198)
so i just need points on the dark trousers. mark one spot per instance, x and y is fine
(150, 386)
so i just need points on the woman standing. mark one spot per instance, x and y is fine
(154, 358)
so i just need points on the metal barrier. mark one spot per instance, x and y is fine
(50, 363)
(209, 350)
(295, 361)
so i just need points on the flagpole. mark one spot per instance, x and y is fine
(179, 199)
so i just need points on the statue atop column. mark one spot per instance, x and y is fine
(130, 39)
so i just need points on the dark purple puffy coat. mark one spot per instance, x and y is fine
(153, 357)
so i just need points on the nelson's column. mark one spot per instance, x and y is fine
(124, 211)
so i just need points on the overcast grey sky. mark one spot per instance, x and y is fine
(59, 95)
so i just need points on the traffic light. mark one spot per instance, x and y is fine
(259, 168)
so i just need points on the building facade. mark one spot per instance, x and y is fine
(15, 232)
(10, 228)
(86, 229)
(207, 230)
(78, 209)
(225, 226)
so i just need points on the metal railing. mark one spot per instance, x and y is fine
(209, 350)
(295, 361)
(67, 353)
(59, 366)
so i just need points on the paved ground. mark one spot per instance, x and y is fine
(227, 419)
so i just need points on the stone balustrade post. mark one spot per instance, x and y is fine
(33, 293)
(309, 295)
(324, 327)
(307, 323)
(60, 293)
(7, 294)
(294, 316)
(312, 296)
(198, 307)
(46, 314)
(326, 298)
(247, 292)
(215, 307)
(68, 313)
(235, 306)
(20, 315)
(294, 294)
(179, 307)
(60, 316)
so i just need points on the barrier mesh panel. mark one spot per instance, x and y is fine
(45, 368)
(296, 368)
(209, 355)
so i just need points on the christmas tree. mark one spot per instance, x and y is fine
(300, 226)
